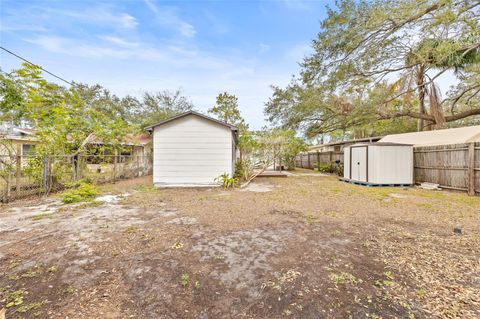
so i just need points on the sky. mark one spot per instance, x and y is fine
(132, 46)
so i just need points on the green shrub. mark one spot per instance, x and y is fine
(330, 167)
(227, 181)
(84, 192)
(326, 167)
(339, 169)
(243, 169)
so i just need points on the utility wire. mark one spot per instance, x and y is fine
(46, 71)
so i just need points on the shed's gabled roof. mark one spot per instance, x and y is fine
(357, 140)
(460, 135)
(149, 128)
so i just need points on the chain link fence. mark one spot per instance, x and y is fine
(25, 175)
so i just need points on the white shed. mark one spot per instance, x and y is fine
(379, 164)
(192, 149)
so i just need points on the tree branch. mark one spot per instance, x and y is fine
(462, 115)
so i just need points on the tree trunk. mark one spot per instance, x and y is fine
(436, 109)
(420, 80)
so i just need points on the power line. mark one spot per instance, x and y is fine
(46, 71)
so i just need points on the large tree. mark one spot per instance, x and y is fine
(65, 119)
(155, 107)
(381, 61)
(226, 109)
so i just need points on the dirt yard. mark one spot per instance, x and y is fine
(306, 246)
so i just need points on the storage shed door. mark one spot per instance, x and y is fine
(358, 164)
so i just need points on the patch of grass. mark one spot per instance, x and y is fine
(84, 192)
(90, 204)
(431, 194)
(13, 277)
(185, 280)
(344, 278)
(42, 215)
(14, 298)
(31, 306)
(177, 245)
(310, 219)
(425, 205)
(34, 272)
(52, 269)
(420, 293)
(69, 290)
(386, 282)
(197, 285)
(131, 230)
(147, 188)
(336, 189)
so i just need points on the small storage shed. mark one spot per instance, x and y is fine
(379, 164)
(192, 149)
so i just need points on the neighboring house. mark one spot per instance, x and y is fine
(133, 145)
(21, 140)
(460, 135)
(192, 149)
(24, 140)
(338, 146)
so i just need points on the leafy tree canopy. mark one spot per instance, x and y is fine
(226, 110)
(376, 63)
(67, 119)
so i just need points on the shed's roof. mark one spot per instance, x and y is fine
(357, 140)
(379, 144)
(149, 128)
(460, 135)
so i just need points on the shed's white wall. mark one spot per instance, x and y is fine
(346, 162)
(386, 164)
(390, 164)
(192, 151)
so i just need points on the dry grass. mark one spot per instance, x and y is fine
(311, 247)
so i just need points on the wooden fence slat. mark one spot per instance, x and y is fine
(471, 169)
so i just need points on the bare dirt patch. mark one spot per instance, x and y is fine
(310, 247)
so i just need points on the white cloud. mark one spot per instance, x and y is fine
(263, 48)
(201, 74)
(119, 41)
(298, 52)
(297, 4)
(104, 15)
(168, 17)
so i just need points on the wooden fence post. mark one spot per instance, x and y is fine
(45, 175)
(138, 165)
(330, 156)
(308, 160)
(115, 160)
(471, 169)
(18, 169)
(318, 158)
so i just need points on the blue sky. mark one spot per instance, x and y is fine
(201, 47)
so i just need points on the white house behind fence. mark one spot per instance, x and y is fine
(192, 149)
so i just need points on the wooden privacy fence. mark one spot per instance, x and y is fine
(308, 160)
(454, 167)
(451, 166)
